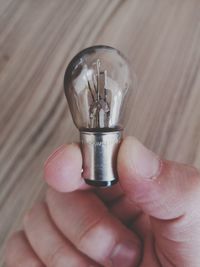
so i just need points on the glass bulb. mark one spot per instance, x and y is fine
(96, 83)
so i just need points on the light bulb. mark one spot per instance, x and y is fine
(96, 83)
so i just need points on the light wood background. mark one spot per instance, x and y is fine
(39, 37)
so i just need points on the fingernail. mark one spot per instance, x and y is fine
(145, 162)
(54, 154)
(125, 254)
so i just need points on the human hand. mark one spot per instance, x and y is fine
(150, 219)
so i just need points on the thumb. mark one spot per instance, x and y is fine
(170, 194)
(162, 189)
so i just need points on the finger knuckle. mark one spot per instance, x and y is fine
(87, 229)
(56, 256)
(60, 255)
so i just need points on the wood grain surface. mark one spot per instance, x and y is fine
(161, 38)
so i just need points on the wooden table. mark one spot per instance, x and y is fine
(161, 38)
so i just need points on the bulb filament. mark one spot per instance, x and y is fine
(99, 110)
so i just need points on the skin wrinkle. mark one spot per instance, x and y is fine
(160, 256)
(80, 241)
(163, 255)
(55, 255)
(89, 228)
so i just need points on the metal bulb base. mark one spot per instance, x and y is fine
(99, 150)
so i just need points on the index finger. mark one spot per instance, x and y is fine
(62, 170)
